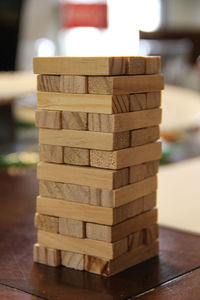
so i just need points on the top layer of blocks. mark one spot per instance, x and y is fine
(134, 65)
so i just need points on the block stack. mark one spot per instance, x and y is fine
(98, 144)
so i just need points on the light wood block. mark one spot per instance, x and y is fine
(125, 121)
(79, 65)
(144, 101)
(88, 213)
(135, 65)
(48, 119)
(134, 191)
(72, 227)
(126, 157)
(47, 256)
(82, 246)
(144, 136)
(74, 120)
(151, 234)
(76, 156)
(51, 189)
(48, 83)
(72, 260)
(153, 64)
(51, 153)
(73, 84)
(142, 171)
(122, 85)
(107, 268)
(150, 201)
(105, 104)
(46, 223)
(97, 178)
(84, 139)
(119, 231)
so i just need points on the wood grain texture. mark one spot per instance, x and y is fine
(134, 191)
(135, 240)
(126, 157)
(97, 178)
(73, 210)
(48, 83)
(150, 201)
(135, 65)
(82, 246)
(119, 231)
(51, 153)
(105, 104)
(143, 101)
(76, 156)
(48, 119)
(153, 64)
(46, 223)
(74, 120)
(51, 189)
(72, 260)
(79, 65)
(131, 258)
(144, 136)
(72, 227)
(47, 256)
(73, 84)
(151, 234)
(142, 171)
(84, 139)
(122, 85)
(125, 121)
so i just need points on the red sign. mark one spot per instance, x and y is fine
(84, 15)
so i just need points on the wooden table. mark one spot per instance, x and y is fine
(175, 274)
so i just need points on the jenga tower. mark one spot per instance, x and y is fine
(98, 143)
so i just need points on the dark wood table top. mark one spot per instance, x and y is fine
(175, 274)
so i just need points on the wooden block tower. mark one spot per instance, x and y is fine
(98, 144)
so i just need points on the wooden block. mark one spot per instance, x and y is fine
(126, 157)
(48, 119)
(123, 85)
(82, 246)
(72, 260)
(151, 234)
(142, 171)
(107, 268)
(84, 139)
(119, 231)
(105, 104)
(46, 223)
(145, 101)
(73, 84)
(144, 136)
(79, 65)
(74, 120)
(51, 189)
(48, 83)
(120, 104)
(125, 121)
(135, 65)
(72, 227)
(51, 153)
(153, 64)
(76, 156)
(134, 191)
(76, 211)
(97, 178)
(150, 201)
(47, 256)
(136, 240)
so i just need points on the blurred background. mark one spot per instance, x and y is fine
(170, 28)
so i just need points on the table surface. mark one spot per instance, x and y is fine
(174, 274)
